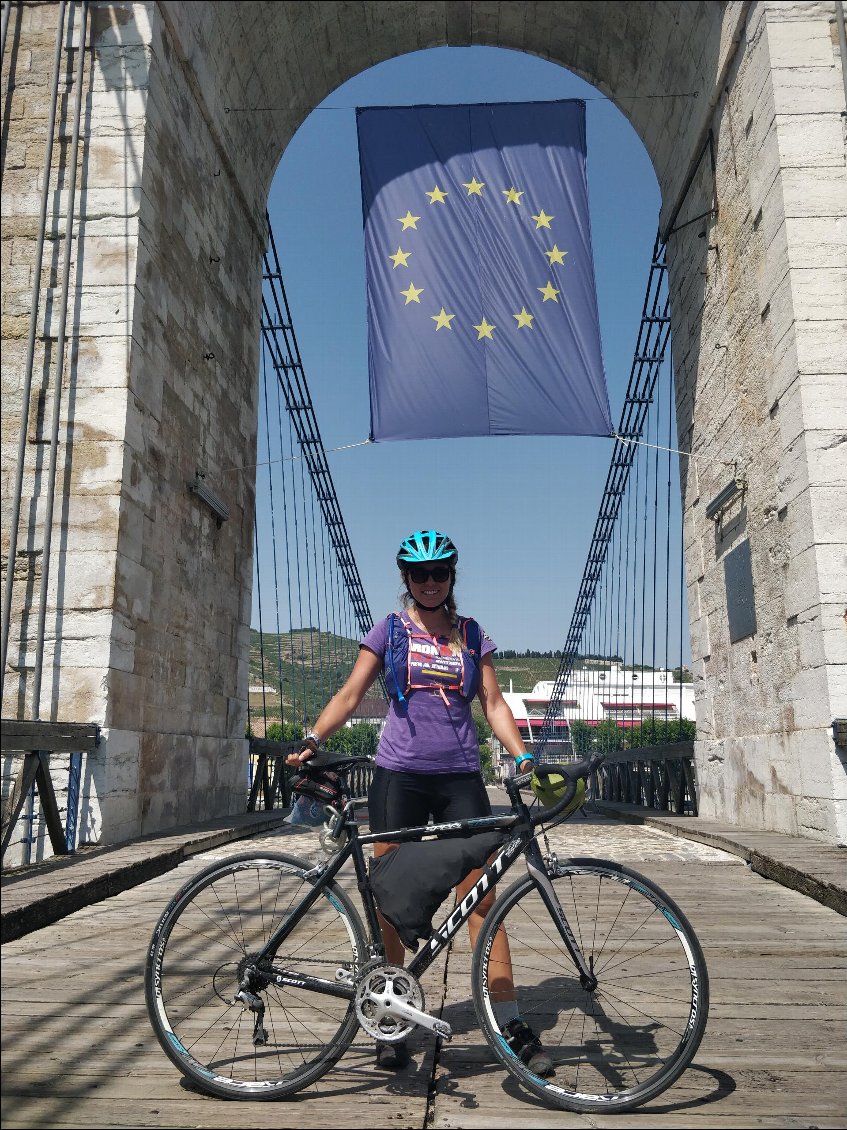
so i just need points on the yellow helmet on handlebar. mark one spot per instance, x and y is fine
(550, 789)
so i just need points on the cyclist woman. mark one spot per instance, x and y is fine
(427, 762)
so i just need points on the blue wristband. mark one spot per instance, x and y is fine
(521, 758)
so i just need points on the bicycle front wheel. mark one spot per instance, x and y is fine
(624, 1042)
(212, 927)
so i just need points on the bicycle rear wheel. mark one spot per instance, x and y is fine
(222, 918)
(626, 1041)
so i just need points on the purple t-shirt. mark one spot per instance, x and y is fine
(430, 735)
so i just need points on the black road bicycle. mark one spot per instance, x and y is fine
(260, 971)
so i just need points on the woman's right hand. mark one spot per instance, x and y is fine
(308, 750)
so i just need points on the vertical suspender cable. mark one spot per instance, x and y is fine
(655, 546)
(330, 640)
(288, 568)
(306, 718)
(30, 356)
(60, 372)
(303, 716)
(273, 525)
(323, 698)
(261, 629)
(279, 684)
(276, 578)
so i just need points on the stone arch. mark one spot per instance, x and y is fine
(205, 97)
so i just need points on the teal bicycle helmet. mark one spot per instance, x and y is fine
(426, 545)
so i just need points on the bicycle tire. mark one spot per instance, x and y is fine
(627, 1041)
(223, 914)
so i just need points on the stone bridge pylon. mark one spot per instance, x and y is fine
(184, 112)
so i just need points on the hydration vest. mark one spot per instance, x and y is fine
(396, 665)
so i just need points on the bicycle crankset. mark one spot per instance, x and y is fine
(390, 1002)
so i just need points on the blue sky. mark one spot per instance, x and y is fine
(521, 509)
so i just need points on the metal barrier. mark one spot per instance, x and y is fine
(661, 778)
(267, 759)
(267, 762)
(35, 741)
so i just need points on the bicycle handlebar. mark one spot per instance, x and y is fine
(573, 772)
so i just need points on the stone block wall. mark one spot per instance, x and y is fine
(760, 342)
(148, 599)
(86, 636)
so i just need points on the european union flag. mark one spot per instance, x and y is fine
(482, 308)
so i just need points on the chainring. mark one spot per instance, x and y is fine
(376, 986)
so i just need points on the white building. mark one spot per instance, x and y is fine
(599, 692)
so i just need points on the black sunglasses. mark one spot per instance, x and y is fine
(440, 574)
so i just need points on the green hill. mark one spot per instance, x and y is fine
(310, 666)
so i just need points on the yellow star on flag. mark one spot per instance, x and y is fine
(512, 195)
(399, 258)
(542, 220)
(524, 318)
(474, 187)
(555, 256)
(442, 319)
(408, 221)
(549, 291)
(411, 295)
(484, 330)
(437, 196)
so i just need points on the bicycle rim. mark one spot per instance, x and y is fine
(226, 914)
(626, 1041)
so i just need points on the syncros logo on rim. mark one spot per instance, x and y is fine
(480, 888)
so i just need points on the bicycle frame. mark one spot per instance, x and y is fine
(523, 842)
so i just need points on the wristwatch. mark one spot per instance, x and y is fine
(314, 739)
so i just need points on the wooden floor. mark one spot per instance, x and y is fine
(78, 1050)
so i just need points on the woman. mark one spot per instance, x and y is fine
(434, 662)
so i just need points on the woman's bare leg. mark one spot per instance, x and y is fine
(501, 983)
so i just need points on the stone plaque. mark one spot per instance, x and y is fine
(740, 598)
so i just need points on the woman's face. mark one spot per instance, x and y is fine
(429, 584)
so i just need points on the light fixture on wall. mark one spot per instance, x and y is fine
(728, 495)
(216, 505)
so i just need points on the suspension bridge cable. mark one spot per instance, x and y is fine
(652, 339)
(323, 695)
(273, 534)
(282, 484)
(658, 403)
(286, 488)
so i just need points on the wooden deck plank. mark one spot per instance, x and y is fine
(78, 1050)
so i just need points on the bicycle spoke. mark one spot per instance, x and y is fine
(202, 949)
(617, 1045)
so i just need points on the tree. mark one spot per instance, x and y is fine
(661, 731)
(284, 732)
(358, 740)
(486, 758)
(606, 737)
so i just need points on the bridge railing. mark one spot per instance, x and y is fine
(27, 748)
(660, 778)
(271, 778)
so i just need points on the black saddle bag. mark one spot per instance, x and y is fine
(412, 881)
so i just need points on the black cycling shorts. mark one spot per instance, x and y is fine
(407, 800)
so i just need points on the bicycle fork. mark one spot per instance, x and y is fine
(538, 870)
